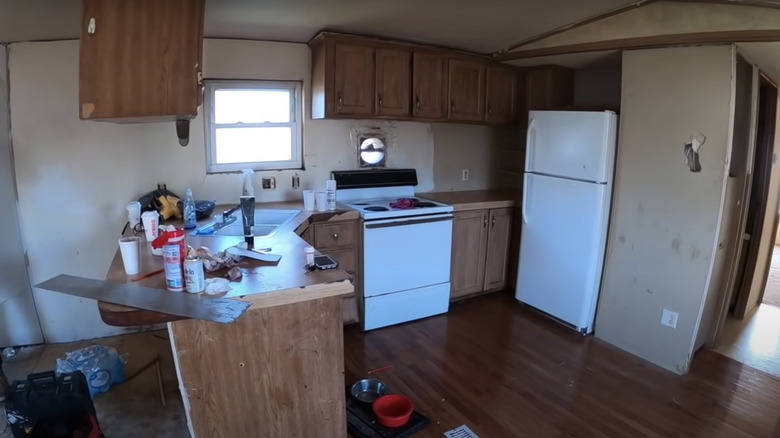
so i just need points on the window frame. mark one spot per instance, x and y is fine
(296, 124)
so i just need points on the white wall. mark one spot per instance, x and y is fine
(18, 320)
(665, 218)
(74, 177)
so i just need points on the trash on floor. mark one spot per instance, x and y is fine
(102, 366)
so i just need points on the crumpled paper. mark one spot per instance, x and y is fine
(215, 261)
(216, 286)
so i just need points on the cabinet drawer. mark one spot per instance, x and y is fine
(346, 259)
(335, 235)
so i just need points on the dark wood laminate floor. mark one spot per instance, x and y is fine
(506, 372)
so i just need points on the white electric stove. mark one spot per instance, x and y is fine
(407, 244)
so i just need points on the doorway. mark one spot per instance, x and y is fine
(751, 330)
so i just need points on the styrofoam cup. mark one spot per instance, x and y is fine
(134, 213)
(321, 201)
(130, 247)
(308, 200)
(151, 220)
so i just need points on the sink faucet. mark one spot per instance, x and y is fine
(227, 218)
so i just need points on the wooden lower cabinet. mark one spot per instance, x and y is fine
(480, 251)
(340, 240)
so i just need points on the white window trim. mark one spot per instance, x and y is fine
(296, 122)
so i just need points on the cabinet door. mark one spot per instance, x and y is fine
(549, 88)
(393, 77)
(347, 261)
(501, 101)
(466, 90)
(140, 58)
(354, 79)
(469, 243)
(429, 85)
(499, 232)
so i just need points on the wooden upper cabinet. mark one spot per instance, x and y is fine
(354, 79)
(496, 262)
(466, 90)
(393, 82)
(501, 95)
(429, 85)
(549, 88)
(140, 59)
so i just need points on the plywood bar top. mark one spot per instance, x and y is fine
(477, 199)
(263, 284)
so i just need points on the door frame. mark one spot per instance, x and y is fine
(769, 111)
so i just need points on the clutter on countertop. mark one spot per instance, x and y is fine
(102, 366)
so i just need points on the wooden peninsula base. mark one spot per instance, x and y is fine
(276, 372)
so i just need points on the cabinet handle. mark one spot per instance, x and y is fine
(380, 99)
(340, 100)
(335, 236)
(417, 102)
(484, 221)
(452, 105)
(490, 110)
(91, 26)
(493, 222)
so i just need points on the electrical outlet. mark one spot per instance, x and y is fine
(269, 183)
(465, 175)
(669, 318)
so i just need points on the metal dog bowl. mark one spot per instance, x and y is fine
(367, 390)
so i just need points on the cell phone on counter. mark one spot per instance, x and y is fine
(325, 262)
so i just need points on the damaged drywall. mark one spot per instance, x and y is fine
(691, 150)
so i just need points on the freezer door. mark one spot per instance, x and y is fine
(572, 144)
(562, 247)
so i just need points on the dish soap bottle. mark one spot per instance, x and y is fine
(190, 219)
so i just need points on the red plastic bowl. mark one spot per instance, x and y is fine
(393, 410)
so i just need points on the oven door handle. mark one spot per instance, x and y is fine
(400, 223)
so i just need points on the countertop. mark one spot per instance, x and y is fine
(262, 284)
(477, 199)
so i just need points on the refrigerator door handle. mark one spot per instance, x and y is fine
(529, 138)
(523, 208)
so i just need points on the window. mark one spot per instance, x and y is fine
(253, 125)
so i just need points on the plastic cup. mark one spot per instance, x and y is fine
(151, 220)
(308, 200)
(134, 214)
(321, 201)
(130, 247)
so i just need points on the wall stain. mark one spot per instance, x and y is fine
(622, 239)
(695, 253)
(635, 280)
(676, 245)
(650, 291)
(641, 209)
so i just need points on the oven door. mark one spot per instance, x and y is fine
(406, 253)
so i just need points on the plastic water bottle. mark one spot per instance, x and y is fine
(190, 220)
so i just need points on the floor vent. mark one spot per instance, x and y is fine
(460, 432)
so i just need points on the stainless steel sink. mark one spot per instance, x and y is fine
(267, 221)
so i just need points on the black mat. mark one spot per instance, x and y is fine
(361, 422)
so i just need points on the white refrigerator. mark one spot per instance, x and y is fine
(567, 188)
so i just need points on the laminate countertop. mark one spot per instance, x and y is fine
(477, 199)
(262, 284)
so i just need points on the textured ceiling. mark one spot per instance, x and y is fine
(481, 26)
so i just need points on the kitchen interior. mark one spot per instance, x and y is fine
(545, 212)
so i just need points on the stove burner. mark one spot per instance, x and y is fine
(360, 203)
(374, 208)
(423, 204)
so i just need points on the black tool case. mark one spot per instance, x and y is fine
(46, 405)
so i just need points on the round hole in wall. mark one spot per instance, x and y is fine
(372, 151)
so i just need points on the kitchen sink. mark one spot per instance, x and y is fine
(267, 221)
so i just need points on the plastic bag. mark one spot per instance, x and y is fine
(102, 366)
